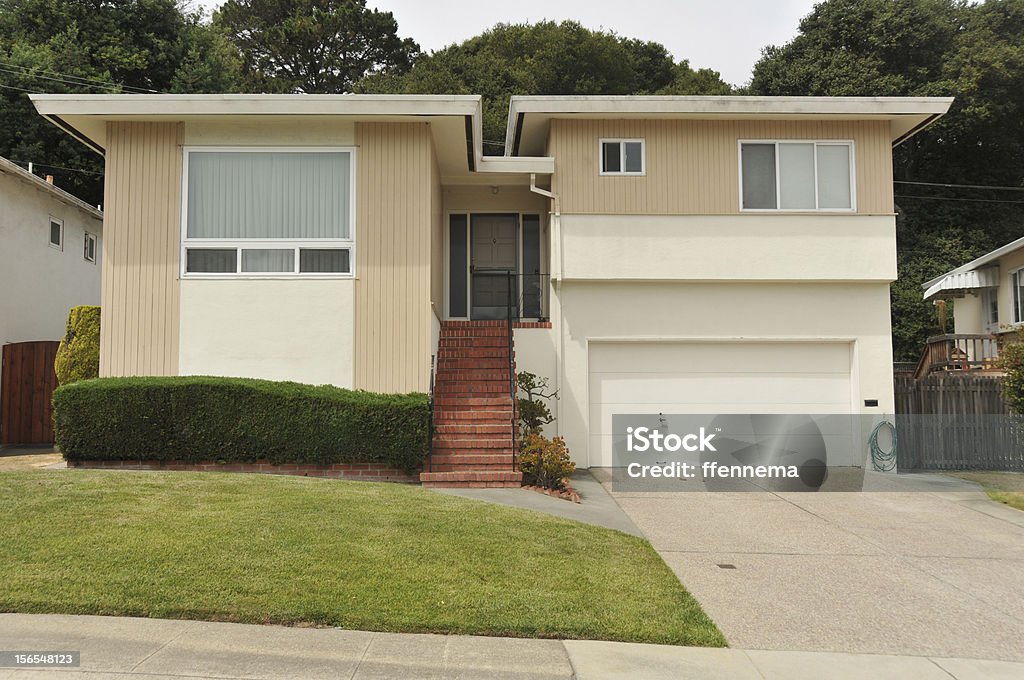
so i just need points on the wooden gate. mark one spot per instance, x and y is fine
(27, 382)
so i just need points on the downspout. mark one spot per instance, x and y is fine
(556, 273)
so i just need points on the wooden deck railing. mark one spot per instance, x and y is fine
(959, 352)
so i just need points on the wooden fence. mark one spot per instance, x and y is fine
(956, 421)
(27, 382)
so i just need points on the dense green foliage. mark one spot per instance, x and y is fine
(926, 47)
(313, 46)
(238, 420)
(546, 58)
(292, 550)
(1012, 361)
(78, 356)
(97, 46)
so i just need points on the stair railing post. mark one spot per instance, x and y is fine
(511, 363)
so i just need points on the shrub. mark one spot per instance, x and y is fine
(78, 356)
(1013, 382)
(534, 414)
(238, 420)
(545, 462)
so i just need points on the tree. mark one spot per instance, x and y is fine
(926, 48)
(545, 58)
(97, 46)
(321, 46)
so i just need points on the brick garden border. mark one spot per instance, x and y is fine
(367, 472)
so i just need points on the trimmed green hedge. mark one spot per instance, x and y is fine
(238, 420)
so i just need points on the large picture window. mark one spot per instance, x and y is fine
(268, 212)
(797, 175)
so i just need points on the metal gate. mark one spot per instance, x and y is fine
(27, 382)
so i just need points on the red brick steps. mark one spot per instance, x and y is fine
(474, 444)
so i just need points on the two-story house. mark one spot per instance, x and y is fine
(656, 254)
(50, 259)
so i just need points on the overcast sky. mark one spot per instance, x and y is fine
(726, 35)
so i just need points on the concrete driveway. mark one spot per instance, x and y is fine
(930, 568)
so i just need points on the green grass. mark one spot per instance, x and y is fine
(1002, 487)
(291, 550)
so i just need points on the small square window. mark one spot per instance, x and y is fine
(622, 157)
(56, 233)
(90, 248)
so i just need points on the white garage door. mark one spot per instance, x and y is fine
(713, 378)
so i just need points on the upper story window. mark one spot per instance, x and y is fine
(796, 175)
(90, 248)
(623, 157)
(268, 212)
(56, 233)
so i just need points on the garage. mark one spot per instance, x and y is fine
(713, 378)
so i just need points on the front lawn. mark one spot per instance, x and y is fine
(1002, 487)
(291, 550)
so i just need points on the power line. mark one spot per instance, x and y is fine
(56, 167)
(970, 200)
(68, 79)
(960, 186)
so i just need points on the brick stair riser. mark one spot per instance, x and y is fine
(478, 364)
(450, 353)
(483, 430)
(474, 343)
(497, 444)
(471, 485)
(471, 462)
(463, 386)
(474, 375)
(449, 333)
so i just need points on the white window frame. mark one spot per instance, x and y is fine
(238, 245)
(85, 250)
(49, 225)
(1016, 300)
(778, 186)
(622, 156)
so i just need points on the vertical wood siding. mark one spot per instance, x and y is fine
(693, 165)
(393, 242)
(141, 234)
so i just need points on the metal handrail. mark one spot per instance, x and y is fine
(431, 401)
(511, 362)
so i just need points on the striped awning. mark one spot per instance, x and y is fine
(957, 283)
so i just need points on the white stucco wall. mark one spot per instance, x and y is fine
(967, 315)
(38, 283)
(273, 329)
(747, 247)
(857, 313)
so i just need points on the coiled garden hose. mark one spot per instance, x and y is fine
(881, 460)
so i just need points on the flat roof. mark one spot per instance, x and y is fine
(14, 170)
(529, 117)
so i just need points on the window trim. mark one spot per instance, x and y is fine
(778, 181)
(274, 244)
(49, 225)
(1017, 300)
(95, 243)
(622, 156)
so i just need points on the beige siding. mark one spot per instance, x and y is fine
(140, 288)
(393, 242)
(693, 165)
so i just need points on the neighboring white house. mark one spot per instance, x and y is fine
(49, 256)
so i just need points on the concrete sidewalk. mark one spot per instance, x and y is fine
(152, 648)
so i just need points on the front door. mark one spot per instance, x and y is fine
(493, 265)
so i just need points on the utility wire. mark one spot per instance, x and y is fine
(56, 167)
(960, 186)
(71, 80)
(943, 198)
